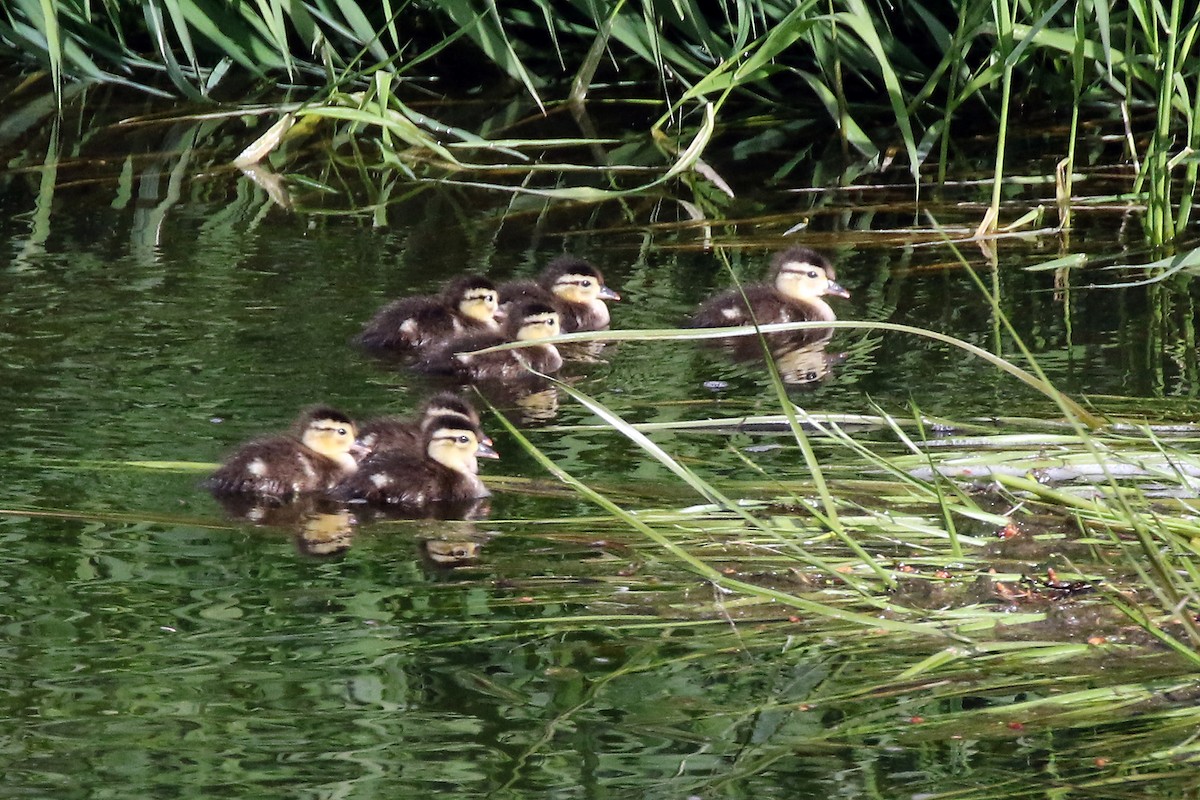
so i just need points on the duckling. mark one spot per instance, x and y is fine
(403, 433)
(573, 287)
(533, 321)
(446, 471)
(800, 278)
(318, 454)
(468, 304)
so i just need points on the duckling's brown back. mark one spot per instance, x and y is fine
(401, 480)
(391, 433)
(277, 467)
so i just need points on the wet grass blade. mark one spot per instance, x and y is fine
(486, 28)
(689, 334)
(716, 577)
(54, 44)
(710, 493)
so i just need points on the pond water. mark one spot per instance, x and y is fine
(157, 306)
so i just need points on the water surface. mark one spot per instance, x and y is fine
(156, 305)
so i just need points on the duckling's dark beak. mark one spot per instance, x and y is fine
(359, 450)
(834, 288)
(486, 439)
(608, 294)
(484, 450)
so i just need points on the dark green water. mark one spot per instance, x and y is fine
(155, 305)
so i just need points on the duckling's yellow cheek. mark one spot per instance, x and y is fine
(482, 310)
(798, 286)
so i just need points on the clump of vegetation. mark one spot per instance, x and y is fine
(895, 87)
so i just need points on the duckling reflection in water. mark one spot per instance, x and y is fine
(450, 553)
(326, 534)
(446, 471)
(800, 279)
(320, 452)
(805, 364)
(571, 286)
(529, 401)
(318, 525)
(800, 356)
(466, 305)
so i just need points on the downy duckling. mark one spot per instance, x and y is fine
(801, 277)
(318, 454)
(405, 433)
(533, 321)
(468, 304)
(573, 287)
(446, 471)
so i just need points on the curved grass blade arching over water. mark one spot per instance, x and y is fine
(692, 334)
(881, 622)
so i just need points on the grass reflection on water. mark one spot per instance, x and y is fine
(157, 646)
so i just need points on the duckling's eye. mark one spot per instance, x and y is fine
(585, 283)
(341, 431)
(812, 273)
(490, 298)
(464, 439)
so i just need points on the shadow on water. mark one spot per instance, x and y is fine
(157, 305)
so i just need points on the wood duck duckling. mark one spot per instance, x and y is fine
(573, 287)
(320, 452)
(446, 471)
(468, 304)
(406, 433)
(531, 322)
(801, 277)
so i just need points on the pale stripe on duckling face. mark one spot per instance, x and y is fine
(808, 283)
(481, 305)
(455, 449)
(332, 439)
(538, 326)
(586, 290)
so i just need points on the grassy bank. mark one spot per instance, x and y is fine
(882, 91)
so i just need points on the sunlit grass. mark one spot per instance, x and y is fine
(363, 68)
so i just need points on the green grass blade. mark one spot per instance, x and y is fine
(858, 20)
(710, 493)
(688, 334)
(869, 621)
(54, 45)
